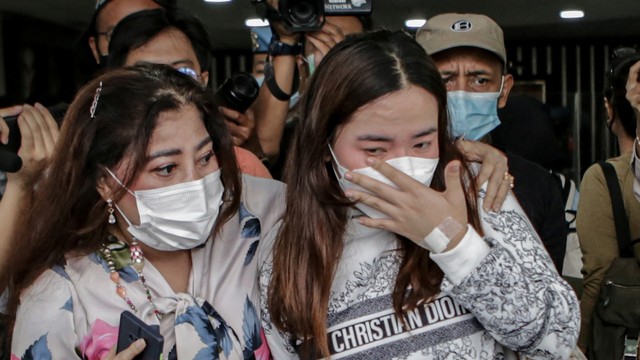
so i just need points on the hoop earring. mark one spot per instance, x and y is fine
(112, 218)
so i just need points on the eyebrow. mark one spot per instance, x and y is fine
(469, 73)
(172, 152)
(372, 137)
(425, 133)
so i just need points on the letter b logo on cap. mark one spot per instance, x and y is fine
(461, 25)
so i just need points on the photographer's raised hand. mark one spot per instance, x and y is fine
(633, 96)
(4, 128)
(324, 40)
(240, 125)
(633, 88)
(414, 209)
(39, 134)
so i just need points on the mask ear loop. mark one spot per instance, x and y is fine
(338, 169)
(501, 86)
(124, 187)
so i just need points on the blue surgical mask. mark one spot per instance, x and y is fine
(311, 61)
(259, 79)
(473, 114)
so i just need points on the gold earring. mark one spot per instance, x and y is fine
(112, 219)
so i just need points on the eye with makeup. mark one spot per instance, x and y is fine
(165, 170)
(205, 160)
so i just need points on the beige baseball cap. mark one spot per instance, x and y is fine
(447, 31)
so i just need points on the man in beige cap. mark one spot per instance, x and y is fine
(469, 51)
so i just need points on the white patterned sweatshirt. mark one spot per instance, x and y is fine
(500, 296)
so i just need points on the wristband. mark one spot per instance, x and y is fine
(277, 47)
(440, 237)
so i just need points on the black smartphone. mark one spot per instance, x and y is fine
(132, 329)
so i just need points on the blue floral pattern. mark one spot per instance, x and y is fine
(214, 318)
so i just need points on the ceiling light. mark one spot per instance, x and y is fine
(414, 23)
(255, 22)
(572, 14)
(217, 1)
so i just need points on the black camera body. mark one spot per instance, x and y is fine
(308, 15)
(238, 92)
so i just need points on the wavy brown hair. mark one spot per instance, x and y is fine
(67, 216)
(354, 73)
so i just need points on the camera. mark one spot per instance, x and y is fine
(238, 92)
(308, 15)
(15, 138)
(9, 160)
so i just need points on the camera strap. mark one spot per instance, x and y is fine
(272, 85)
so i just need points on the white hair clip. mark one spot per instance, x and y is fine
(94, 105)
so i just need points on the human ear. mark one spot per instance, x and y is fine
(507, 85)
(104, 189)
(205, 77)
(94, 49)
(609, 109)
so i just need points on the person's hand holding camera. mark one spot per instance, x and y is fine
(324, 40)
(39, 133)
(279, 29)
(633, 96)
(240, 125)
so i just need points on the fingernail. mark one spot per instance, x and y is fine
(371, 161)
(348, 176)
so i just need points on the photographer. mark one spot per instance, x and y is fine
(39, 133)
(178, 39)
(272, 112)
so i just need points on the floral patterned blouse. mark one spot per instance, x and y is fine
(73, 312)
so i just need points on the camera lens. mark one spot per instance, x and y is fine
(238, 92)
(303, 12)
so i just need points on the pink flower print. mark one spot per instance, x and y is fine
(263, 352)
(99, 341)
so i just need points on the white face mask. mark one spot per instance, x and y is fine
(177, 217)
(419, 169)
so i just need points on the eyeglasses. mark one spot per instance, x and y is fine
(189, 72)
(623, 52)
(106, 34)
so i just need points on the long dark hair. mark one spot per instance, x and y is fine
(68, 216)
(357, 71)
